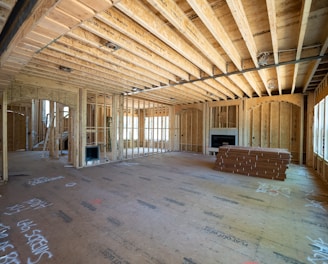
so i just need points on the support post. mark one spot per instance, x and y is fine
(4, 137)
(301, 132)
(206, 133)
(309, 137)
(120, 127)
(32, 126)
(114, 126)
(57, 133)
(81, 126)
(52, 130)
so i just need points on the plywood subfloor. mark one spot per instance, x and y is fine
(166, 208)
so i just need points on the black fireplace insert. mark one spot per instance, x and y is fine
(221, 140)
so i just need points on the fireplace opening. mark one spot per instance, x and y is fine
(221, 140)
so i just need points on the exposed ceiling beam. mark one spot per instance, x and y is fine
(238, 12)
(119, 57)
(209, 89)
(179, 19)
(93, 56)
(150, 21)
(303, 25)
(204, 10)
(314, 66)
(102, 30)
(127, 26)
(271, 9)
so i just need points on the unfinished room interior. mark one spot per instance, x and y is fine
(164, 131)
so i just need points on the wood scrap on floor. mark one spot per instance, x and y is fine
(269, 163)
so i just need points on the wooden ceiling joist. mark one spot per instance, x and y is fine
(178, 18)
(151, 22)
(168, 51)
(99, 28)
(125, 25)
(204, 10)
(303, 24)
(120, 57)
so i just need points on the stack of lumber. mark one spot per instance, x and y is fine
(269, 163)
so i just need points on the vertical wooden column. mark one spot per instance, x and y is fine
(120, 127)
(309, 130)
(61, 126)
(142, 119)
(132, 127)
(126, 126)
(57, 132)
(71, 137)
(96, 120)
(150, 126)
(139, 128)
(104, 120)
(241, 123)
(114, 126)
(33, 124)
(301, 132)
(244, 127)
(4, 137)
(80, 126)
(27, 129)
(206, 134)
(51, 130)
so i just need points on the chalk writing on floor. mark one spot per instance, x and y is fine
(41, 180)
(32, 204)
(8, 255)
(316, 204)
(320, 251)
(37, 242)
(273, 190)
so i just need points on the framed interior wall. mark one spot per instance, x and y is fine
(124, 127)
(191, 130)
(98, 127)
(276, 122)
(146, 128)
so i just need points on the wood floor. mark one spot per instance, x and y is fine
(162, 209)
